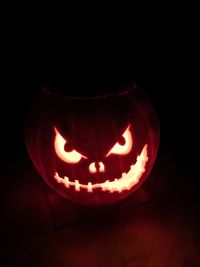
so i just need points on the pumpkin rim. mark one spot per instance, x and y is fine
(117, 92)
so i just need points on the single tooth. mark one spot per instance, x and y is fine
(61, 180)
(56, 176)
(136, 180)
(128, 186)
(66, 181)
(141, 169)
(89, 187)
(123, 174)
(57, 179)
(104, 186)
(138, 158)
(77, 185)
(132, 167)
(113, 188)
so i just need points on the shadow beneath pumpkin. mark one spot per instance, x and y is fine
(160, 230)
(65, 213)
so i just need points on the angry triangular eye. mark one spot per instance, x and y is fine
(59, 145)
(124, 148)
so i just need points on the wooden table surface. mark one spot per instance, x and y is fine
(160, 232)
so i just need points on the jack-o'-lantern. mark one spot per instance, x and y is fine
(93, 150)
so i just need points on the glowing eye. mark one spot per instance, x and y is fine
(69, 157)
(126, 147)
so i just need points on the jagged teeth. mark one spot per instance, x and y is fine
(66, 181)
(56, 176)
(77, 185)
(105, 185)
(125, 182)
(89, 187)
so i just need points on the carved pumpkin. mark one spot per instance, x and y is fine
(93, 150)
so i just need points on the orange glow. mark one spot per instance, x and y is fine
(125, 182)
(69, 157)
(93, 169)
(101, 167)
(123, 149)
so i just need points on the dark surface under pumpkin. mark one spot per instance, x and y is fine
(40, 230)
(91, 128)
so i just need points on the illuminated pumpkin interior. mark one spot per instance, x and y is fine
(125, 182)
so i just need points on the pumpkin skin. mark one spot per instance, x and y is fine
(93, 150)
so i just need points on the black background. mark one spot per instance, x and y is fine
(163, 60)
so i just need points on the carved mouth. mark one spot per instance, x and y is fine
(125, 182)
